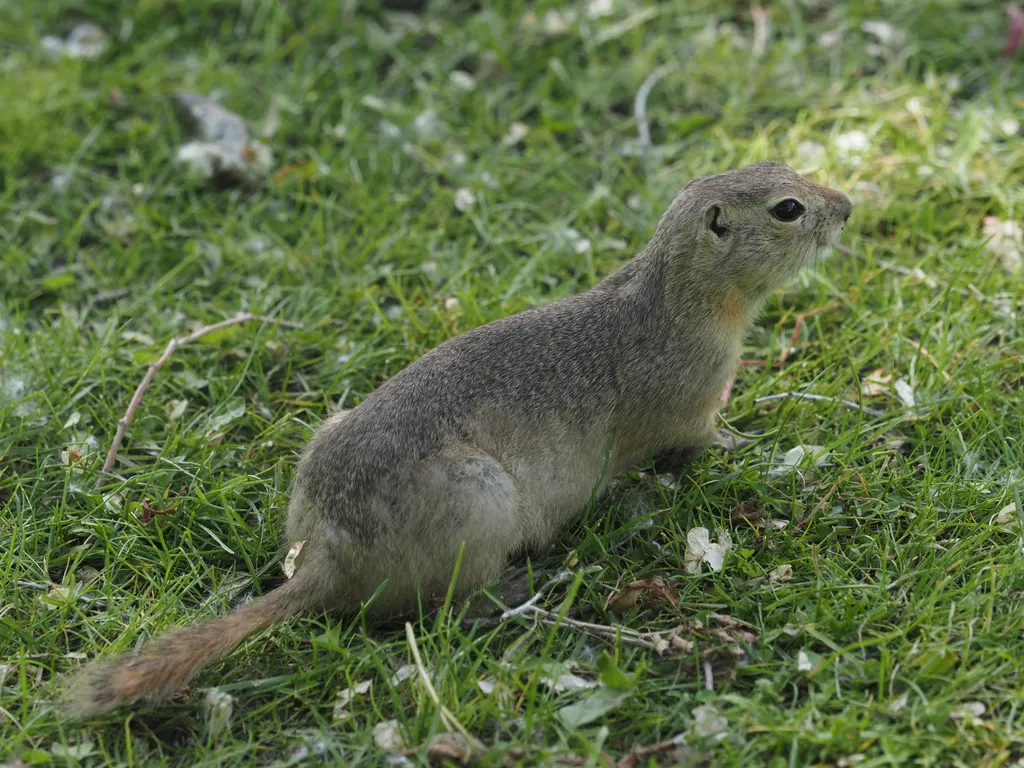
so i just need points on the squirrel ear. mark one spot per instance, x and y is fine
(714, 220)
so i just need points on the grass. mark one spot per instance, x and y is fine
(906, 601)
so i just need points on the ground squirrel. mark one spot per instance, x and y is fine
(500, 435)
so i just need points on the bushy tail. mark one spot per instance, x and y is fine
(166, 664)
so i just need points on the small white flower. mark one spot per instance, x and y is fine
(883, 31)
(810, 153)
(700, 549)
(220, 706)
(851, 145)
(464, 199)
(462, 80)
(428, 125)
(557, 23)
(516, 133)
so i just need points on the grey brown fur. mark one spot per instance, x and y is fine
(497, 438)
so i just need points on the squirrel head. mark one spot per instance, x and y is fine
(754, 227)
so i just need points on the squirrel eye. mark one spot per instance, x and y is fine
(788, 210)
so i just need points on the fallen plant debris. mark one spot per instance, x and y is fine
(85, 41)
(172, 346)
(747, 512)
(223, 150)
(148, 513)
(654, 589)
(678, 641)
(1015, 30)
(453, 747)
(701, 550)
(1004, 239)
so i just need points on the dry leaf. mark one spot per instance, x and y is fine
(876, 383)
(762, 18)
(1015, 32)
(700, 549)
(386, 735)
(1005, 240)
(886, 33)
(344, 697)
(175, 409)
(747, 512)
(402, 674)
(1006, 517)
(655, 589)
(708, 723)
(970, 712)
(795, 457)
(449, 746)
(558, 678)
(56, 596)
(896, 705)
(291, 557)
(782, 573)
(905, 392)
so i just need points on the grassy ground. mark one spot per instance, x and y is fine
(896, 639)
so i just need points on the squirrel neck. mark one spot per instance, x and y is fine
(682, 329)
(694, 296)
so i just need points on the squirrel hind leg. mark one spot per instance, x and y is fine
(474, 505)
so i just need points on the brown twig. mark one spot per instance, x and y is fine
(148, 513)
(929, 357)
(821, 399)
(819, 507)
(709, 676)
(639, 754)
(172, 346)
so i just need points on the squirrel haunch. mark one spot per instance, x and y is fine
(494, 440)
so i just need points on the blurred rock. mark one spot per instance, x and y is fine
(223, 152)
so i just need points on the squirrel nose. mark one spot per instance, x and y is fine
(846, 206)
